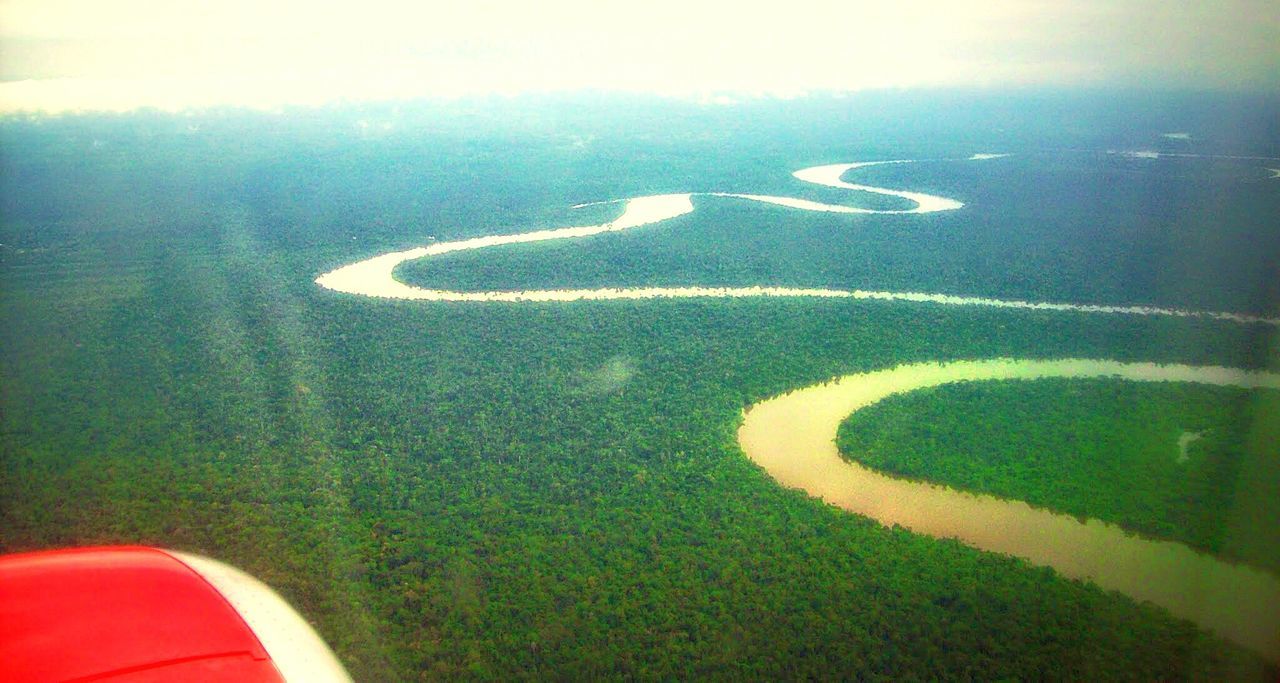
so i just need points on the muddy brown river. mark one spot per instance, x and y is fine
(792, 437)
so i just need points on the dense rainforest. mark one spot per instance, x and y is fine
(1184, 462)
(503, 491)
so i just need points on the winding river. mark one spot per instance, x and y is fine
(793, 436)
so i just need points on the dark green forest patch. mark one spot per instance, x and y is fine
(1187, 462)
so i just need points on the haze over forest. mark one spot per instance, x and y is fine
(468, 330)
(77, 54)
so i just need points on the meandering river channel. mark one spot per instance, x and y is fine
(793, 436)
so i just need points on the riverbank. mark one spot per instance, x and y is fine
(792, 437)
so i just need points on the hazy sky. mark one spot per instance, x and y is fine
(174, 53)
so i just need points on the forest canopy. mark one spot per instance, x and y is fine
(504, 491)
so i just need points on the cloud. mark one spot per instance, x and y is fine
(270, 53)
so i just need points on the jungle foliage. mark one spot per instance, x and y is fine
(532, 491)
(1178, 461)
